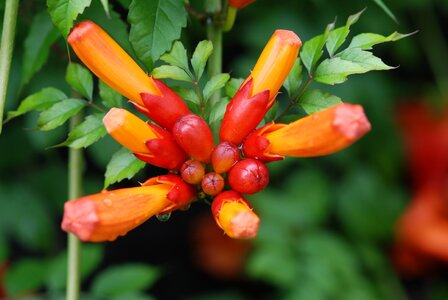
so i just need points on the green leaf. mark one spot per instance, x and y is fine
(154, 27)
(123, 164)
(80, 79)
(313, 101)
(386, 9)
(105, 4)
(86, 133)
(350, 61)
(64, 12)
(59, 113)
(312, 50)
(177, 56)
(39, 101)
(367, 40)
(171, 72)
(294, 80)
(214, 84)
(111, 98)
(232, 86)
(217, 111)
(337, 37)
(187, 94)
(26, 275)
(200, 56)
(37, 45)
(124, 279)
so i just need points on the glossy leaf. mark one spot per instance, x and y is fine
(367, 40)
(177, 56)
(171, 72)
(37, 45)
(187, 94)
(110, 97)
(39, 101)
(64, 12)
(59, 113)
(86, 133)
(80, 79)
(217, 111)
(350, 61)
(232, 86)
(154, 27)
(123, 164)
(214, 84)
(294, 79)
(25, 275)
(337, 36)
(313, 101)
(312, 50)
(124, 279)
(200, 56)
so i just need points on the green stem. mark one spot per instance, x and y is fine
(75, 164)
(294, 101)
(6, 49)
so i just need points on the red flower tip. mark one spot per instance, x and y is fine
(248, 176)
(80, 218)
(165, 109)
(224, 156)
(192, 171)
(243, 114)
(351, 121)
(240, 3)
(212, 184)
(194, 136)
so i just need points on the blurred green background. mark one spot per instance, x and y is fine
(327, 223)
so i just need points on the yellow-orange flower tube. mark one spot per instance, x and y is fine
(107, 60)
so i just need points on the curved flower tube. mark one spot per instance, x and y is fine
(235, 216)
(322, 133)
(107, 215)
(148, 142)
(257, 93)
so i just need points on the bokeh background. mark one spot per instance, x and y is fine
(366, 223)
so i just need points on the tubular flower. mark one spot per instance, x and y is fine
(107, 60)
(235, 216)
(322, 133)
(107, 215)
(240, 3)
(148, 142)
(257, 94)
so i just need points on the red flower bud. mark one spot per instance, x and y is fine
(248, 176)
(240, 3)
(194, 136)
(192, 171)
(212, 184)
(165, 109)
(224, 156)
(255, 144)
(243, 114)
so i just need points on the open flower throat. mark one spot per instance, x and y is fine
(182, 142)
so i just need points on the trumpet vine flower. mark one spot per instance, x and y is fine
(184, 144)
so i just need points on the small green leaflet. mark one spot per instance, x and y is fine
(337, 36)
(350, 61)
(124, 279)
(105, 4)
(177, 56)
(386, 9)
(232, 86)
(294, 79)
(200, 56)
(86, 133)
(80, 79)
(214, 84)
(218, 110)
(111, 98)
(123, 164)
(56, 115)
(314, 101)
(187, 94)
(39, 101)
(37, 45)
(312, 50)
(64, 12)
(171, 72)
(154, 26)
(367, 40)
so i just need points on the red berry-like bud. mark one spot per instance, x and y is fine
(194, 136)
(192, 171)
(248, 176)
(212, 184)
(224, 156)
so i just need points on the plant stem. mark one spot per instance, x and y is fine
(6, 49)
(75, 164)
